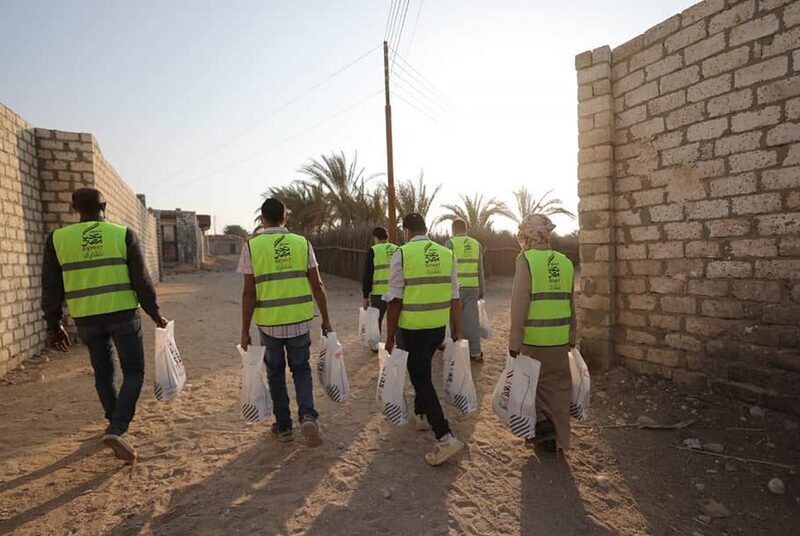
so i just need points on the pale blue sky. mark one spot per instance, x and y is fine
(161, 83)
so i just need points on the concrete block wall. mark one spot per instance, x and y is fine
(39, 170)
(22, 332)
(690, 211)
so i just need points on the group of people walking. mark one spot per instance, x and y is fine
(421, 287)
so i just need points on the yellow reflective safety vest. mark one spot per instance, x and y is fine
(383, 253)
(549, 314)
(468, 254)
(280, 268)
(427, 270)
(94, 265)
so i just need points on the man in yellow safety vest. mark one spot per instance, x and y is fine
(471, 282)
(281, 283)
(543, 326)
(423, 298)
(375, 281)
(99, 269)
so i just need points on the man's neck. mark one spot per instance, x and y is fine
(92, 217)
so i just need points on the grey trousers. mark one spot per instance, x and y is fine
(470, 323)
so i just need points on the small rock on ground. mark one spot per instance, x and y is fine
(714, 509)
(776, 486)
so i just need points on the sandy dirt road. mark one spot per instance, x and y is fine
(203, 471)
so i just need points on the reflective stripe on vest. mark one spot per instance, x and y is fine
(549, 313)
(380, 273)
(468, 252)
(94, 264)
(427, 269)
(280, 268)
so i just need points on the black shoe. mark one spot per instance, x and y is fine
(122, 449)
(477, 358)
(284, 435)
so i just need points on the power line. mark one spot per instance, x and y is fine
(432, 116)
(414, 30)
(429, 95)
(432, 98)
(421, 78)
(280, 108)
(394, 20)
(274, 146)
(402, 27)
(388, 19)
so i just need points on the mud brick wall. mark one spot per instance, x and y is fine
(689, 183)
(21, 240)
(39, 170)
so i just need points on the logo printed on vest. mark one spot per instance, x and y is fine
(468, 248)
(92, 242)
(432, 260)
(283, 254)
(553, 273)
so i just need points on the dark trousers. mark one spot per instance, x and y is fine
(376, 301)
(421, 345)
(297, 351)
(119, 406)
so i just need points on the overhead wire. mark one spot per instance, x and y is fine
(414, 30)
(400, 32)
(420, 78)
(433, 115)
(278, 144)
(261, 120)
(431, 98)
(395, 17)
(389, 19)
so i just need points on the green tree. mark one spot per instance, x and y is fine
(307, 204)
(346, 188)
(477, 212)
(528, 204)
(235, 230)
(414, 197)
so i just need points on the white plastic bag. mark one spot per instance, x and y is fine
(256, 400)
(170, 374)
(391, 383)
(514, 398)
(483, 317)
(581, 385)
(330, 368)
(362, 324)
(372, 330)
(459, 388)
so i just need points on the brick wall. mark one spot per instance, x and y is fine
(689, 180)
(39, 170)
(21, 239)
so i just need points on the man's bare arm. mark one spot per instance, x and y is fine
(321, 297)
(392, 319)
(248, 307)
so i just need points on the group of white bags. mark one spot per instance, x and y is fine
(514, 398)
(170, 373)
(459, 389)
(256, 402)
(369, 327)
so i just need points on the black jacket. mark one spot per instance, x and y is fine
(369, 269)
(53, 287)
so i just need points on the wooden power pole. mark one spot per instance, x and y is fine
(389, 154)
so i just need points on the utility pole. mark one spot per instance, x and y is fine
(389, 154)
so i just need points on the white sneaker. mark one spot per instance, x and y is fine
(443, 451)
(421, 423)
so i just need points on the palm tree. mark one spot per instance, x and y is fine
(476, 212)
(345, 186)
(235, 230)
(414, 197)
(527, 204)
(309, 210)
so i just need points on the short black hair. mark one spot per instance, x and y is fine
(273, 210)
(415, 223)
(88, 200)
(459, 225)
(380, 233)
